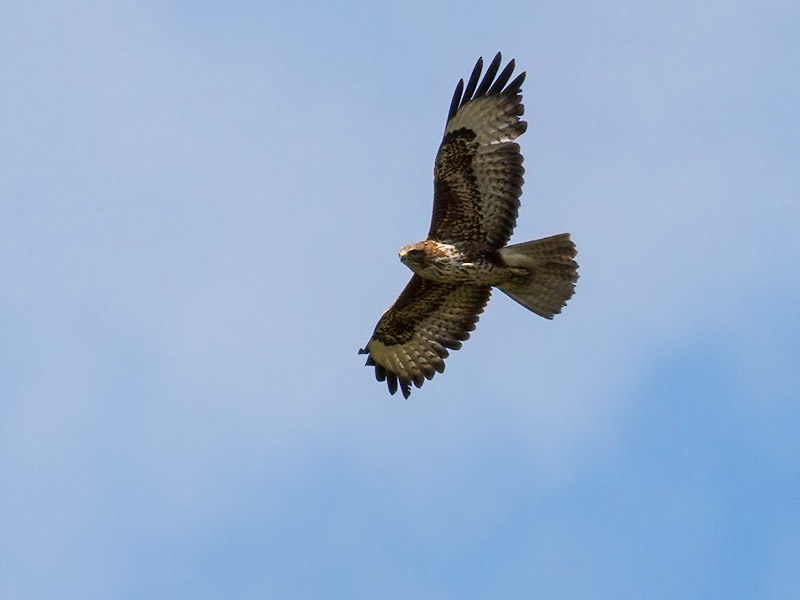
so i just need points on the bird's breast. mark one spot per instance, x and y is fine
(463, 270)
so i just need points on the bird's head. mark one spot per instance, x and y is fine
(413, 255)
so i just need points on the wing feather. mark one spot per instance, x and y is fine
(478, 174)
(410, 342)
(454, 104)
(490, 73)
(502, 79)
(473, 83)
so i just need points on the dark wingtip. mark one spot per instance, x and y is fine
(405, 387)
(489, 86)
(456, 101)
(489, 76)
(363, 351)
(502, 79)
(516, 86)
(391, 381)
(473, 81)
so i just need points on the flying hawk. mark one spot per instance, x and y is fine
(477, 181)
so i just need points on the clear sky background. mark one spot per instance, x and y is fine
(202, 204)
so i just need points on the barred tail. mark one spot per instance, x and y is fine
(549, 275)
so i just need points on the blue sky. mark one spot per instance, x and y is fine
(201, 209)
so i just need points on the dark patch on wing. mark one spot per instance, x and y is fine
(456, 205)
(420, 297)
(459, 134)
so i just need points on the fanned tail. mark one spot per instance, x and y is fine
(547, 273)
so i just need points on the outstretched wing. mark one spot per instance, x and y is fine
(478, 171)
(411, 339)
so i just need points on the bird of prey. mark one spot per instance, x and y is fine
(477, 181)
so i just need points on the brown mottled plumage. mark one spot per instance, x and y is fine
(477, 185)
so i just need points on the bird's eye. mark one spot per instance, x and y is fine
(415, 252)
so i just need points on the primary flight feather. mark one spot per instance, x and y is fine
(477, 184)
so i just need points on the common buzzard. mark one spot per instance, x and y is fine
(477, 181)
